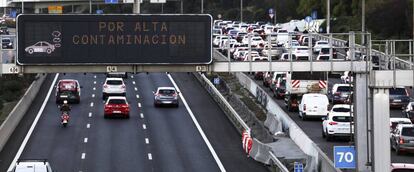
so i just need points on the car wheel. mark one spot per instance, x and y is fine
(30, 51)
(397, 150)
(177, 105)
(304, 118)
(323, 133)
(328, 136)
(127, 116)
(48, 51)
(155, 104)
(105, 116)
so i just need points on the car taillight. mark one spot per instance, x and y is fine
(337, 94)
(401, 141)
(333, 123)
(105, 86)
(304, 107)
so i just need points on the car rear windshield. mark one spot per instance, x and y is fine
(342, 118)
(116, 101)
(166, 92)
(114, 82)
(408, 131)
(397, 91)
(344, 89)
(341, 109)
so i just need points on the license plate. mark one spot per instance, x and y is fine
(397, 100)
(167, 102)
(116, 111)
(63, 96)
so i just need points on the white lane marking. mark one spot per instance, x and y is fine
(90, 114)
(136, 89)
(149, 156)
(83, 156)
(200, 130)
(132, 76)
(94, 76)
(85, 140)
(91, 104)
(88, 125)
(94, 82)
(139, 104)
(146, 141)
(137, 96)
(93, 95)
(29, 133)
(94, 88)
(133, 82)
(144, 126)
(142, 115)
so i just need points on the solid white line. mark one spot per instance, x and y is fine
(83, 155)
(88, 125)
(144, 126)
(149, 156)
(90, 114)
(136, 89)
(142, 115)
(94, 88)
(213, 152)
(91, 104)
(139, 104)
(133, 82)
(93, 95)
(137, 96)
(85, 140)
(146, 141)
(29, 133)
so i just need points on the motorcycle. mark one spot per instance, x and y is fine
(64, 119)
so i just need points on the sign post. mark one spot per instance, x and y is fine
(344, 157)
(271, 14)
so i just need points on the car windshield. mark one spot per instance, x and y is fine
(114, 82)
(117, 101)
(302, 49)
(342, 118)
(6, 40)
(341, 109)
(324, 58)
(67, 92)
(408, 131)
(166, 92)
(397, 91)
(323, 43)
(344, 89)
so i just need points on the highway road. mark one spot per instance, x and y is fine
(153, 139)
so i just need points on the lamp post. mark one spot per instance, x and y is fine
(241, 11)
(363, 22)
(202, 6)
(328, 15)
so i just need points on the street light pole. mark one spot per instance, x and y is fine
(328, 15)
(202, 6)
(241, 11)
(363, 22)
(137, 6)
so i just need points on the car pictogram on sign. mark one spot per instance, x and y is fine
(40, 47)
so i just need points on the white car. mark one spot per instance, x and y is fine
(301, 53)
(219, 39)
(338, 122)
(40, 47)
(254, 55)
(285, 57)
(319, 44)
(113, 87)
(32, 166)
(347, 77)
(313, 105)
(323, 57)
(294, 43)
(395, 121)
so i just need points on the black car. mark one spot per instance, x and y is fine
(6, 43)
(4, 31)
(398, 97)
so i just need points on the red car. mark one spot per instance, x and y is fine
(116, 106)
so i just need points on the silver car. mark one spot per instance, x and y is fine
(40, 47)
(166, 96)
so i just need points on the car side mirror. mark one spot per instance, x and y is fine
(153, 92)
(178, 92)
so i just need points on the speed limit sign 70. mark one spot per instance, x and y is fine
(344, 157)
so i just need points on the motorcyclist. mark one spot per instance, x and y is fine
(65, 107)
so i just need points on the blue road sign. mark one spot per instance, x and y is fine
(298, 167)
(308, 19)
(99, 11)
(271, 11)
(216, 81)
(314, 14)
(344, 157)
(111, 1)
(13, 13)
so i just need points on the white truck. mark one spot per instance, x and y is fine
(299, 83)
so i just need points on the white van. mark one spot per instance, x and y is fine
(313, 105)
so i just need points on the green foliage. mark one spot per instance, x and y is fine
(1, 104)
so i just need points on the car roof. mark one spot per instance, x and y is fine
(400, 120)
(117, 97)
(315, 95)
(402, 166)
(31, 167)
(405, 125)
(118, 79)
(166, 88)
(342, 106)
(343, 85)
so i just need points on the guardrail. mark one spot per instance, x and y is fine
(259, 150)
(11, 122)
(320, 161)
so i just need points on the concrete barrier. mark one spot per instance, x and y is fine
(320, 161)
(11, 122)
(273, 123)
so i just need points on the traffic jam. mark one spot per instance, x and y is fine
(320, 97)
